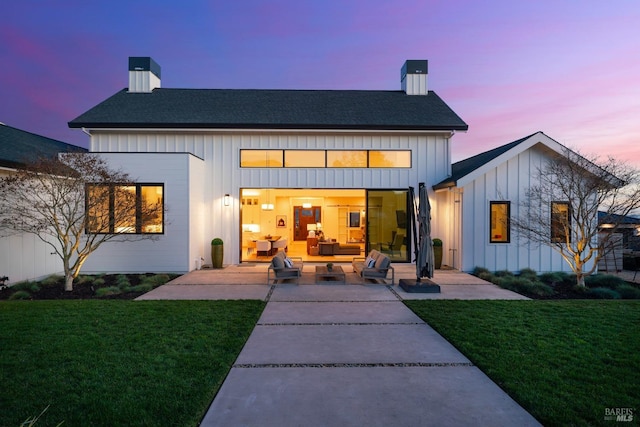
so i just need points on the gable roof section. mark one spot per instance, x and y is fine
(272, 109)
(18, 147)
(467, 170)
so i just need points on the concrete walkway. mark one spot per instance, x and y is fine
(348, 355)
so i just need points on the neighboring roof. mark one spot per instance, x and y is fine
(18, 147)
(272, 109)
(607, 218)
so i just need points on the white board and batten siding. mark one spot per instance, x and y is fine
(179, 246)
(506, 181)
(221, 172)
(24, 256)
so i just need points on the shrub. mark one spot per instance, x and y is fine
(51, 280)
(524, 285)
(123, 282)
(111, 290)
(504, 273)
(26, 286)
(99, 281)
(156, 280)
(603, 281)
(20, 295)
(83, 279)
(502, 282)
(627, 291)
(529, 273)
(569, 279)
(142, 287)
(487, 276)
(539, 289)
(553, 278)
(480, 270)
(604, 293)
(483, 274)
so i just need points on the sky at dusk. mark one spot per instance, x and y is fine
(509, 68)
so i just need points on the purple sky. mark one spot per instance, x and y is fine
(509, 68)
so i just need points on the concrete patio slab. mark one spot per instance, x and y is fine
(337, 312)
(378, 343)
(358, 396)
(465, 292)
(206, 292)
(327, 292)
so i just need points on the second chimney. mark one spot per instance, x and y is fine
(413, 77)
(144, 74)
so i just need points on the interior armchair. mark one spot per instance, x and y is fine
(393, 246)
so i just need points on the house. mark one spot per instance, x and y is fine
(245, 164)
(25, 256)
(274, 167)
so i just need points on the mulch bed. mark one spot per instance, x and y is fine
(87, 290)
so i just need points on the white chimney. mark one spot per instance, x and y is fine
(144, 74)
(413, 77)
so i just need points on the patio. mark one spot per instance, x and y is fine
(249, 281)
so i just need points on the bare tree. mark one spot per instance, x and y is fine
(47, 199)
(561, 210)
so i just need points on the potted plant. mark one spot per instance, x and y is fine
(437, 253)
(217, 252)
(329, 266)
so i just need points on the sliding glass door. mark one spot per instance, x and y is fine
(388, 228)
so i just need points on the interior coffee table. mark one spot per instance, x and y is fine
(336, 275)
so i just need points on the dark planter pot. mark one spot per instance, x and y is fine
(217, 254)
(437, 257)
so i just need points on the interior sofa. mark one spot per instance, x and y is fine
(279, 269)
(375, 266)
(335, 248)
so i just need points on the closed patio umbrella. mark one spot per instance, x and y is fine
(423, 247)
(424, 256)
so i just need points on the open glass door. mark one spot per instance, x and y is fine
(387, 223)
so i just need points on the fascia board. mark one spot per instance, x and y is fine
(537, 138)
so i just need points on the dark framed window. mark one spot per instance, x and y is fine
(124, 208)
(560, 222)
(500, 228)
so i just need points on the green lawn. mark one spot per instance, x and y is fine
(565, 362)
(113, 363)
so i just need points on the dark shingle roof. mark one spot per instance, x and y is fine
(272, 109)
(18, 147)
(466, 166)
(608, 218)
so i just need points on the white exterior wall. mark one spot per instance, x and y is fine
(177, 248)
(447, 228)
(505, 182)
(222, 173)
(24, 256)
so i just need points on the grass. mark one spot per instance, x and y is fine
(108, 363)
(563, 361)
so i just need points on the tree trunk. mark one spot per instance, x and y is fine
(580, 280)
(68, 282)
